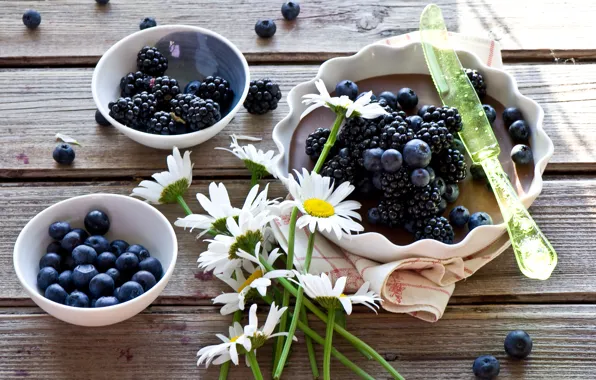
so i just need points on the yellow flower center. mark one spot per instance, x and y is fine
(257, 274)
(234, 339)
(342, 296)
(319, 208)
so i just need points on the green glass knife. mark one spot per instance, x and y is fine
(535, 256)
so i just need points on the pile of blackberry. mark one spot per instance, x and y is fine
(153, 102)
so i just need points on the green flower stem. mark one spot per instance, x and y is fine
(286, 296)
(328, 340)
(225, 367)
(254, 365)
(254, 179)
(330, 141)
(183, 204)
(320, 340)
(297, 309)
(312, 358)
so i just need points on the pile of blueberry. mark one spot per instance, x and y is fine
(83, 269)
(518, 345)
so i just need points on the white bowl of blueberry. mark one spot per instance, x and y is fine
(172, 85)
(96, 259)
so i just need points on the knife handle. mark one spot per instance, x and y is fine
(535, 256)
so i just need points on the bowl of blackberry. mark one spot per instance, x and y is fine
(95, 260)
(172, 85)
(420, 193)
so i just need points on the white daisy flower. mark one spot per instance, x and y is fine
(228, 350)
(361, 107)
(258, 281)
(222, 253)
(169, 185)
(219, 208)
(321, 206)
(258, 336)
(320, 289)
(259, 163)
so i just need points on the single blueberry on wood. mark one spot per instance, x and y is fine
(486, 367)
(100, 119)
(265, 28)
(518, 344)
(63, 154)
(147, 22)
(31, 18)
(290, 10)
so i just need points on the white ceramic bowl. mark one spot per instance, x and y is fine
(193, 53)
(131, 220)
(379, 60)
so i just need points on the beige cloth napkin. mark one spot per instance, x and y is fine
(420, 287)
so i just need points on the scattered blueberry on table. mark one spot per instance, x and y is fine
(486, 367)
(290, 10)
(63, 154)
(102, 2)
(147, 22)
(100, 119)
(31, 18)
(265, 28)
(79, 270)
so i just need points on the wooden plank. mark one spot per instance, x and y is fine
(59, 100)
(565, 211)
(162, 344)
(554, 29)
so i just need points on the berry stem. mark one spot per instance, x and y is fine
(254, 365)
(183, 204)
(328, 340)
(330, 141)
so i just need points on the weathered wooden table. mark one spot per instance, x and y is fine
(45, 87)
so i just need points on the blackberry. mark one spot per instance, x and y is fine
(121, 110)
(315, 142)
(161, 123)
(359, 134)
(133, 83)
(263, 96)
(164, 88)
(477, 81)
(424, 202)
(150, 61)
(396, 184)
(392, 213)
(134, 112)
(340, 167)
(448, 117)
(217, 89)
(451, 165)
(202, 114)
(437, 228)
(395, 131)
(181, 104)
(437, 137)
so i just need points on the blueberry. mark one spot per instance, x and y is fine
(68, 262)
(431, 173)
(478, 219)
(129, 290)
(58, 230)
(417, 154)
(105, 261)
(83, 254)
(373, 216)
(82, 274)
(422, 110)
(407, 98)
(77, 299)
(65, 280)
(99, 243)
(451, 192)
(106, 301)
(372, 159)
(116, 292)
(459, 216)
(376, 180)
(459, 145)
(50, 260)
(100, 119)
(141, 252)
(521, 154)
(84, 235)
(442, 206)
(93, 301)
(127, 262)
(440, 184)
(55, 293)
(147, 22)
(118, 247)
(146, 279)
(391, 160)
(420, 177)
(390, 97)
(510, 115)
(347, 88)
(490, 112)
(31, 18)
(153, 266)
(63, 154)
(102, 2)
(477, 172)
(265, 28)
(101, 285)
(115, 274)
(97, 222)
(72, 240)
(192, 87)
(46, 277)
(519, 131)
(518, 344)
(290, 10)
(55, 247)
(373, 98)
(415, 122)
(486, 367)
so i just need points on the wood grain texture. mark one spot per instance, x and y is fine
(546, 34)
(59, 100)
(558, 211)
(162, 343)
